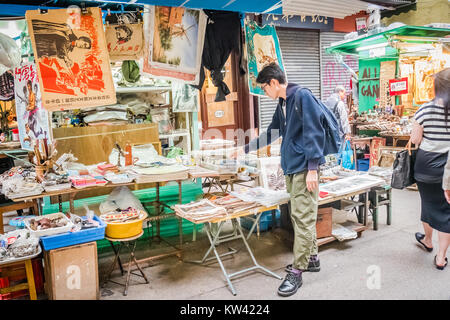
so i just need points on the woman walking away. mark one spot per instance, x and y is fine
(432, 131)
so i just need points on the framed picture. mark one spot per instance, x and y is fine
(386, 156)
(271, 174)
(175, 42)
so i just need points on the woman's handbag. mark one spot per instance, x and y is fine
(403, 173)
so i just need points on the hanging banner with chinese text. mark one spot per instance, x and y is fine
(72, 59)
(32, 119)
(262, 48)
(303, 22)
(175, 38)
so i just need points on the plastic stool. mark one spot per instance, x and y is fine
(130, 243)
(380, 196)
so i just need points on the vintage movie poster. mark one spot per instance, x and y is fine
(124, 34)
(175, 38)
(262, 47)
(72, 59)
(32, 119)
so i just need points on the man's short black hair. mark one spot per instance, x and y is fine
(269, 72)
(87, 40)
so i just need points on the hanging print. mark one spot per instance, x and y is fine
(72, 59)
(124, 36)
(262, 48)
(185, 97)
(32, 119)
(175, 43)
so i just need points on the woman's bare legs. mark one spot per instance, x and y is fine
(444, 243)
(428, 235)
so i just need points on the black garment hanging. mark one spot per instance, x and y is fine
(222, 36)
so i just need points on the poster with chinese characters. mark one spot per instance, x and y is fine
(262, 48)
(32, 119)
(72, 59)
(124, 34)
(175, 38)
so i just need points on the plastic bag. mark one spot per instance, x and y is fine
(9, 53)
(120, 198)
(347, 157)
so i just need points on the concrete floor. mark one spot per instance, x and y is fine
(383, 264)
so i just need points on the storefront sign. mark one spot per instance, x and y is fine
(398, 87)
(302, 22)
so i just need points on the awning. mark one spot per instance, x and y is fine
(351, 46)
(248, 6)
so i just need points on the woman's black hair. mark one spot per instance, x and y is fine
(442, 90)
(269, 72)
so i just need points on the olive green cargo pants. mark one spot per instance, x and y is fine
(303, 216)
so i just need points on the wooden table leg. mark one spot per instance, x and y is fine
(30, 279)
(60, 203)
(71, 202)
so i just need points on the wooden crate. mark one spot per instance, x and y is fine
(324, 224)
(71, 273)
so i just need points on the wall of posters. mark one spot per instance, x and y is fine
(175, 38)
(124, 36)
(72, 59)
(262, 47)
(32, 119)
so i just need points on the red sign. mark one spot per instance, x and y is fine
(398, 87)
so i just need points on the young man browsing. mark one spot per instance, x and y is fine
(298, 118)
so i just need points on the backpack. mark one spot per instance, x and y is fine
(331, 125)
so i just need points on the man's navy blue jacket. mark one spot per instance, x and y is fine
(302, 131)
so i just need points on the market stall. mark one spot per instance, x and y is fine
(396, 65)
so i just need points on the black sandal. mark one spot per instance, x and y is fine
(419, 237)
(440, 267)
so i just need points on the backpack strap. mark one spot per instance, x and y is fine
(334, 110)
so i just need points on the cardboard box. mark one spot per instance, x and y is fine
(324, 224)
(71, 273)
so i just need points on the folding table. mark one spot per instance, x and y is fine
(215, 239)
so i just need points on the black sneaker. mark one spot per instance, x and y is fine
(290, 285)
(313, 266)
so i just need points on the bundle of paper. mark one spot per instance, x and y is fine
(234, 205)
(202, 210)
(265, 197)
